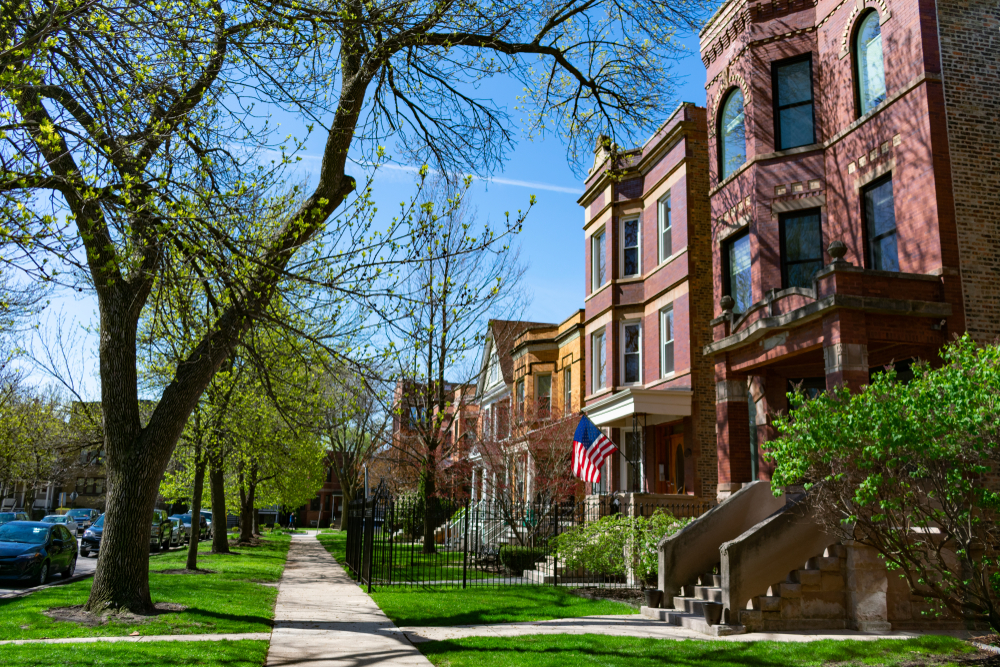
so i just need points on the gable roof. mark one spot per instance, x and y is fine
(504, 333)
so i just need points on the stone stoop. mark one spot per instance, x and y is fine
(811, 598)
(545, 573)
(688, 611)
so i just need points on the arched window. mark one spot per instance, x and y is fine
(869, 63)
(732, 135)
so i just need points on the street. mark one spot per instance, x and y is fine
(83, 566)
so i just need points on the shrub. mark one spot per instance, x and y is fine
(518, 559)
(616, 543)
(911, 470)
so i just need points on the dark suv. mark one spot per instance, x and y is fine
(159, 537)
(91, 542)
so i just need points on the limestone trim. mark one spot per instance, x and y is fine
(841, 357)
(768, 325)
(731, 391)
(785, 205)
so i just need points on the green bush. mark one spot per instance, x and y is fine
(616, 543)
(518, 559)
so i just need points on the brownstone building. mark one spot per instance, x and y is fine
(648, 304)
(854, 193)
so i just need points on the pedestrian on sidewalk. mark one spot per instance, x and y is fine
(291, 521)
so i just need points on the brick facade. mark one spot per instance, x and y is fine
(674, 164)
(933, 134)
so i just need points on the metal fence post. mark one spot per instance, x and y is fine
(368, 543)
(555, 554)
(465, 544)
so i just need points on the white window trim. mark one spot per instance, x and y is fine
(626, 323)
(660, 229)
(595, 258)
(567, 378)
(638, 248)
(663, 342)
(598, 379)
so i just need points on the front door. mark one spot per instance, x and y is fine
(669, 461)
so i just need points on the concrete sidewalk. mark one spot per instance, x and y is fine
(622, 626)
(323, 618)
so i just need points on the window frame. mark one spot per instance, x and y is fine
(598, 243)
(638, 246)
(519, 397)
(856, 62)
(727, 265)
(721, 137)
(866, 223)
(777, 109)
(781, 234)
(544, 412)
(663, 204)
(665, 313)
(599, 379)
(625, 324)
(567, 391)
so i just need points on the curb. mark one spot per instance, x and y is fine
(35, 589)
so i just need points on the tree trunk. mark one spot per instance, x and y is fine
(346, 505)
(199, 486)
(247, 494)
(256, 521)
(121, 580)
(427, 491)
(220, 525)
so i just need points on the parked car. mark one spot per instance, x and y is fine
(91, 542)
(179, 533)
(207, 532)
(63, 519)
(33, 550)
(159, 537)
(7, 517)
(84, 517)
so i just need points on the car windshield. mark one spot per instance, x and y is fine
(23, 533)
(78, 513)
(100, 522)
(54, 519)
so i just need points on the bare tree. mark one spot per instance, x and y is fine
(132, 144)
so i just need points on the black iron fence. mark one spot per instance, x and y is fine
(463, 543)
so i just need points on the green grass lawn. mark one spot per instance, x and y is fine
(336, 544)
(231, 599)
(480, 606)
(206, 654)
(561, 650)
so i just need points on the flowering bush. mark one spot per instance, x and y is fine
(616, 544)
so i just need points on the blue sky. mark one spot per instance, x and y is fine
(552, 240)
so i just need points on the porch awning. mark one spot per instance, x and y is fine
(659, 406)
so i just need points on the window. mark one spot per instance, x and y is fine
(494, 375)
(599, 270)
(630, 247)
(631, 353)
(520, 397)
(663, 223)
(314, 504)
(732, 135)
(502, 419)
(99, 486)
(880, 217)
(567, 392)
(632, 465)
(869, 64)
(598, 355)
(801, 248)
(737, 272)
(543, 395)
(81, 485)
(793, 103)
(667, 341)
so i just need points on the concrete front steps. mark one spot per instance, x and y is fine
(811, 598)
(546, 572)
(689, 609)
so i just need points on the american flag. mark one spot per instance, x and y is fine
(590, 449)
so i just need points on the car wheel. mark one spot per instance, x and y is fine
(43, 574)
(70, 571)
(154, 547)
(85, 553)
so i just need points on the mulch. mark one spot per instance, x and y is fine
(77, 614)
(630, 596)
(184, 570)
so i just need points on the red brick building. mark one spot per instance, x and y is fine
(646, 229)
(854, 188)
